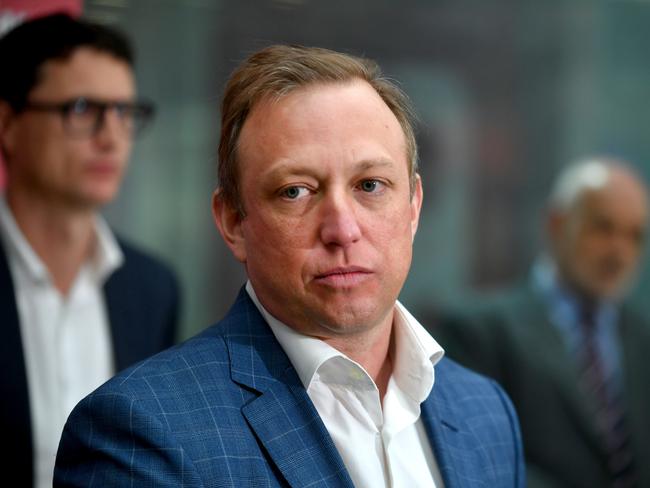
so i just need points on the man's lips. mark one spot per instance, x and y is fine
(343, 276)
(103, 167)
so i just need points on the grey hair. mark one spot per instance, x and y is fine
(574, 180)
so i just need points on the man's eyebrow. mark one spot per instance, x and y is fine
(293, 168)
(374, 163)
(289, 168)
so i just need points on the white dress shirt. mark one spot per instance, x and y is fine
(380, 446)
(66, 339)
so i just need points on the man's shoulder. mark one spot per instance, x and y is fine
(202, 361)
(483, 420)
(138, 258)
(176, 370)
(472, 394)
(144, 274)
(450, 373)
(502, 306)
(634, 315)
(520, 294)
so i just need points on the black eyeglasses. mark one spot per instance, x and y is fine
(84, 117)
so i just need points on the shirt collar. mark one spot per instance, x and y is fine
(416, 351)
(564, 303)
(415, 356)
(106, 257)
(18, 249)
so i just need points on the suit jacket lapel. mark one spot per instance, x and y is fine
(286, 422)
(282, 416)
(455, 447)
(122, 309)
(556, 361)
(118, 307)
(15, 420)
(635, 338)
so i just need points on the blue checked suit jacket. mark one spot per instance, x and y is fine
(226, 408)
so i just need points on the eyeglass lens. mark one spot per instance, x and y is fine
(85, 117)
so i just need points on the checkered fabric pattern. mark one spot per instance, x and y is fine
(227, 409)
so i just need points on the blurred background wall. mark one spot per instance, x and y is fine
(507, 91)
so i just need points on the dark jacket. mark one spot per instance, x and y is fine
(510, 338)
(142, 300)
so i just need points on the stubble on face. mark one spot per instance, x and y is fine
(330, 222)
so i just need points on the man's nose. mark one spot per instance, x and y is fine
(339, 224)
(111, 127)
(627, 247)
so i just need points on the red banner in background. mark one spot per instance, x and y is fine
(13, 12)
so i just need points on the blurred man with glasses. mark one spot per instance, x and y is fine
(77, 304)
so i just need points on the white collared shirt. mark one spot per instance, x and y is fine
(380, 447)
(66, 339)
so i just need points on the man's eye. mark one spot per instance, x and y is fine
(83, 108)
(294, 192)
(80, 106)
(370, 186)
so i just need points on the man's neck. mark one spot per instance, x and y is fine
(582, 299)
(373, 351)
(63, 238)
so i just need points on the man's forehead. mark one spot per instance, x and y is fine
(88, 54)
(619, 203)
(354, 99)
(318, 114)
(273, 98)
(86, 67)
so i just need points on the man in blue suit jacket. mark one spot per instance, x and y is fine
(76, 303)
(317, 376)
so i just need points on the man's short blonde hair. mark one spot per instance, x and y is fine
(278, 70)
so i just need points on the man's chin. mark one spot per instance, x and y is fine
(89, 201)
(98, 197)
(351, 320)
(612, 292)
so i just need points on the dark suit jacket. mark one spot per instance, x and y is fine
(142, 302)
(510, 338)
(227, 408)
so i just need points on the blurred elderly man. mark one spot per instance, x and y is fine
(565, 345)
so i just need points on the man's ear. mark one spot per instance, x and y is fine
(416, 205)
(6, 117)
(554, 223)
(555, 226)
(229, 222)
